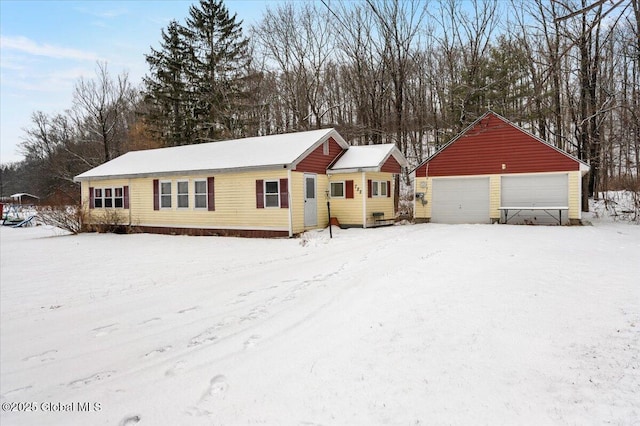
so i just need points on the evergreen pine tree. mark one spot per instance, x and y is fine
(216, 69)
(196, 85)
(170, 106)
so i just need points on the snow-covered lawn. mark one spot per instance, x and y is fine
(415, 324)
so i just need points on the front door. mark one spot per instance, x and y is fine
(310, 202)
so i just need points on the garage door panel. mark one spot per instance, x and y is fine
(549, 190)
(464, 200)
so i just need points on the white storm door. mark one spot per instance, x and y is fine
(310, 201)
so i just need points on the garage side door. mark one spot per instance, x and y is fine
(460, 200)
(535, 190)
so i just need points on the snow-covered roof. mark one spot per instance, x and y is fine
(23, 194)
(367, 158)
(275, 151)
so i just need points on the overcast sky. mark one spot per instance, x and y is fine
(46, 46)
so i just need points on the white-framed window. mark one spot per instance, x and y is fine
(108, 197)
(325, 147)
(97, 198)
(200, 194)
(337, 189)
(165, 194)
(118, 198)
(271, 193)
(379, 188)
(183, 194)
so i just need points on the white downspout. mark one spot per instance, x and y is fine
(364, 200)
(290, 203)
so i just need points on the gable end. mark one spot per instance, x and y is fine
(319, 159)
(495, 146)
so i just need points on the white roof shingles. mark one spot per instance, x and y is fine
(254, 152)
(367, 157)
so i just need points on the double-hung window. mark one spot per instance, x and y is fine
(271, 193)
(183, 194)
(165, 194)
(337, 189)
(118, 198)
(108, 197)
(97, 198)
(200, 197)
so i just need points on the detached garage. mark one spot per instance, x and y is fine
(495, 171)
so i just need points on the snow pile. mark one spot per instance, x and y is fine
(416, 324)
(616, 206)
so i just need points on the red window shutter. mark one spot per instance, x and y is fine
(369, 188)
(91, 198)
(388, 188)
(284, 193)
(348, 190)
(125, 196)
(211, 194)
(260, 194)
(156, 194)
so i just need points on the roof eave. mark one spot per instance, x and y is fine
(81, 178)
(353, 170)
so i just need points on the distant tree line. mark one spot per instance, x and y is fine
(410, 72)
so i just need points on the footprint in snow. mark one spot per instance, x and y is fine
(177, 368)
(130, 420)
(217, 387)
(158, 351)
(251, 341)
(42, 357)
(104, 330)
(256, 313)
(16, 390)
(206, 336)
(93, 378)
(150, 320)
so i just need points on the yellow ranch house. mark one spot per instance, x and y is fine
(265, 186)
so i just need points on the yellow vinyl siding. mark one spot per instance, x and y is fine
(296, 200)
(101, 214)
(575, 205)
(235, 202)
(380, 204)
(348, 210)
(422, 210)
(322, 185)
(495, 194)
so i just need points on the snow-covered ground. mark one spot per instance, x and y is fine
(415, 324)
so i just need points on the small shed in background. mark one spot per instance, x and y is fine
(23, 198)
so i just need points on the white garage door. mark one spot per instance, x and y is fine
(548, 190)
(460, 200)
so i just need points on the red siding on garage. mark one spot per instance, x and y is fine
(317, 161)
(391, 166)
(488, 145)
